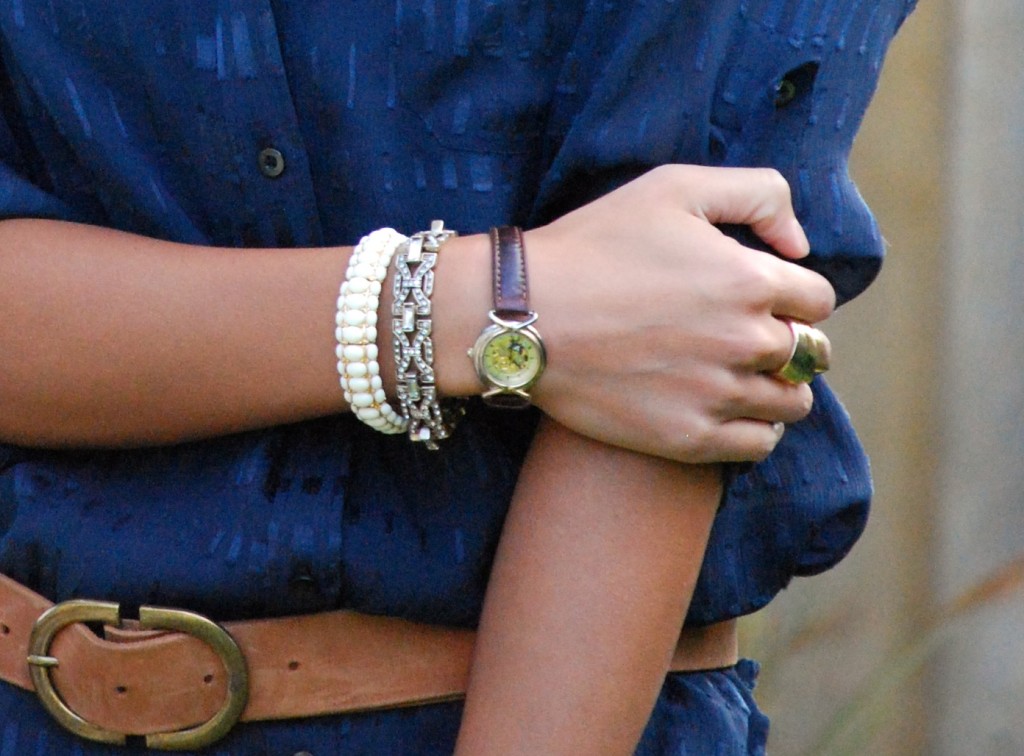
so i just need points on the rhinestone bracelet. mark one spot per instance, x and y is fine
(412, 324)
(356, 331)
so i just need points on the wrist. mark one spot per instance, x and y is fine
(549, 287)
(462, 300)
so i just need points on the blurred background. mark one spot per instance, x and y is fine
(915, 644)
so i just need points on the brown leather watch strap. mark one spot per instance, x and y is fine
(142, 682)
(511, 293)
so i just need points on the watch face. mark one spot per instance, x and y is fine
(512, 359)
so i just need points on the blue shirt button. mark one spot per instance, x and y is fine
(271, 162)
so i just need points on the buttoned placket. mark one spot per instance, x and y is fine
(271, 163)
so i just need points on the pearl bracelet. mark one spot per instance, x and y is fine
(356, 331)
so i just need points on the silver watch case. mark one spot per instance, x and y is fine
(504, 388)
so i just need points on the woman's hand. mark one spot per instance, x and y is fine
(663, 332)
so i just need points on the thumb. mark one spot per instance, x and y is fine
(756, 197)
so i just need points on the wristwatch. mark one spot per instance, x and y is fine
(509, 354)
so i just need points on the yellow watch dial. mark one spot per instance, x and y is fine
(512, 359)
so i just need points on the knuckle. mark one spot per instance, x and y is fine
(754, 445)
(796, 404)
(775, 182)
(663, 174)
(767, 445)
(754, 280)
(734, 400)
(768, 348)
(828, 299)
(821, 295)
(657, 185)
(692, 442)
(803, 402)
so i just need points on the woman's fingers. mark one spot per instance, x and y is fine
(663, 332)
(770, 400)
(748, 440)
(800, 294)
(760, 198)
(748, 430)
(755, 197)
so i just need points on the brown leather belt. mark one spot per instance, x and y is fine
(184, 681)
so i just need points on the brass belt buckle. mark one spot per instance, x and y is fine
(150, 618)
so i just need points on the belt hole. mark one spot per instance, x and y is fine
(4, 629)
(121, 690)
(293, 665)
(208, 679)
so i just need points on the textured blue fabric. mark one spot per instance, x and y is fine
(150, 115)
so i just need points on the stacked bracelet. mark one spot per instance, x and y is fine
(356, 331)
(412, 327)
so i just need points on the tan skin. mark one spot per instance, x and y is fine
(598, 560)
(112, 339)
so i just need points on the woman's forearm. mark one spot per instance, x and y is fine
(112, 338)
(109, 338)
(597, 563)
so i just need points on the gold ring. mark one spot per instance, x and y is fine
(811, 354)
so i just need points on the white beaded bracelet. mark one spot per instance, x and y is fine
(356, 331)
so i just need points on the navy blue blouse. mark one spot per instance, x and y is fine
(156, 116)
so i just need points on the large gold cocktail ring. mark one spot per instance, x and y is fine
(811, 354)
